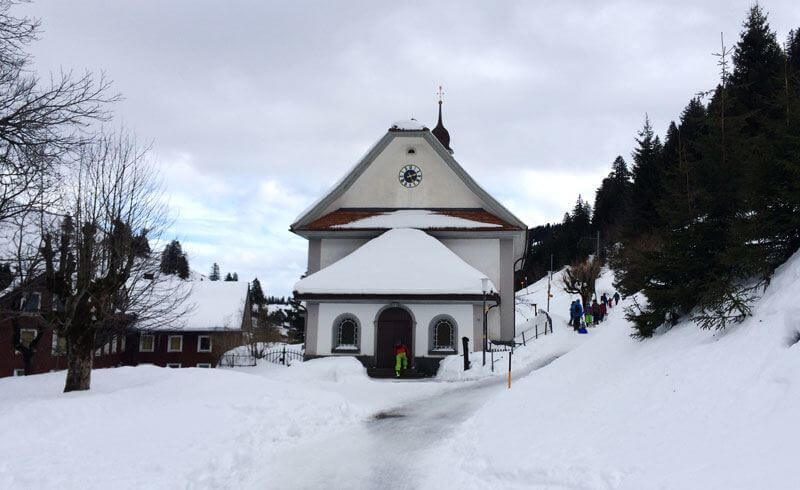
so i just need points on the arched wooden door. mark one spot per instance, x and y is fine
(393, 324)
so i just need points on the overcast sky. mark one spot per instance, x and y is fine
(255, 108)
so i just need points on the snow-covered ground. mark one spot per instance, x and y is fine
(149, 427)
(688, 409)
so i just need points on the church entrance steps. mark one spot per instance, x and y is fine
(386, 373)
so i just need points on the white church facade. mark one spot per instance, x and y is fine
(407, 246)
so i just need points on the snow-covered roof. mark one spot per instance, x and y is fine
(213, 305)
(408, 125)
(400, 261)
(416, 218)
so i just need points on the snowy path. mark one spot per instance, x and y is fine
(387, 451)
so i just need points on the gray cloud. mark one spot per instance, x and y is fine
(255, 108)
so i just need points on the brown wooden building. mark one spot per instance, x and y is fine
(219, 319)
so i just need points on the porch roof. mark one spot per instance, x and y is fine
(401, 262)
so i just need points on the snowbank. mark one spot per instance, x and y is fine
(536, 353)
(688, 409)
(149, 427)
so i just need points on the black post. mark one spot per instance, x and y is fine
(523, 338)
(465, 344)
(283, 355)
(509, 369)
(492, 361)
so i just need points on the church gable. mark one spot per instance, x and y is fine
(407, 168)
(408, 173)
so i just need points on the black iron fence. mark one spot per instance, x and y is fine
(282, 355)
(278, 355)
(237, 360)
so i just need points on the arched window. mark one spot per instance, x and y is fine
(346, 336)
(443, 335)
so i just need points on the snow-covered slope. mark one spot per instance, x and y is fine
(688, 409)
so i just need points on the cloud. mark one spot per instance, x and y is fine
(256, 107)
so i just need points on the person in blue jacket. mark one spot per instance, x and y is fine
(577, 311)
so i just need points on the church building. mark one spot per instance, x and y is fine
(407, 246)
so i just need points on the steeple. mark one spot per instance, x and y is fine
(439, 131)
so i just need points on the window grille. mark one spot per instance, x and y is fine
(347, 335)
(444, 336)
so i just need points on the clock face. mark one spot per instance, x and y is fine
(410, 176)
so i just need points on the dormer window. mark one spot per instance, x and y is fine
(411, 151)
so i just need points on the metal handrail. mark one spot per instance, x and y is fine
(547, 326)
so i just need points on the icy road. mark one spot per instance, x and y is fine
(387, 451)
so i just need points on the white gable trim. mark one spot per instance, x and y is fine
(316, 210)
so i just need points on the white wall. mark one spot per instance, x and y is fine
(379, 186)
(333, 249)
(366, 314)
(481, 253)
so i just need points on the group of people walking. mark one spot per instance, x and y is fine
(592, 314)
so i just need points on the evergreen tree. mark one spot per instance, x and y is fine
(756, 78)
(728, 209)
(234, 277)
(214, 275)
(611, 201)
(183, 266)
(295, 325)
(169, 259)
(257, 294)
(174, 261)
(793, 52)
(228, 277)
(646, 188)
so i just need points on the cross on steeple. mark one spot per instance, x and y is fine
(439, 131)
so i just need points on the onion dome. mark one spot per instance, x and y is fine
(441, 132)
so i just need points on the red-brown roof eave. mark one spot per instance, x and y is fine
(335, 219)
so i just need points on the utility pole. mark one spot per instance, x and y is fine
(549, 280)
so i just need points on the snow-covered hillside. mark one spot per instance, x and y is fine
(688, 409)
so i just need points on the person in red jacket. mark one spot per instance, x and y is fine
(400, 357)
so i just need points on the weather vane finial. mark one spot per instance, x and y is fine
(440, 94)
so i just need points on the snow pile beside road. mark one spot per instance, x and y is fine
(328, 370)
(688, 409)
(536, 353)
(149, 427)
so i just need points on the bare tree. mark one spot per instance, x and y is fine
(40, 121)
(98, 265)
(579, 278)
